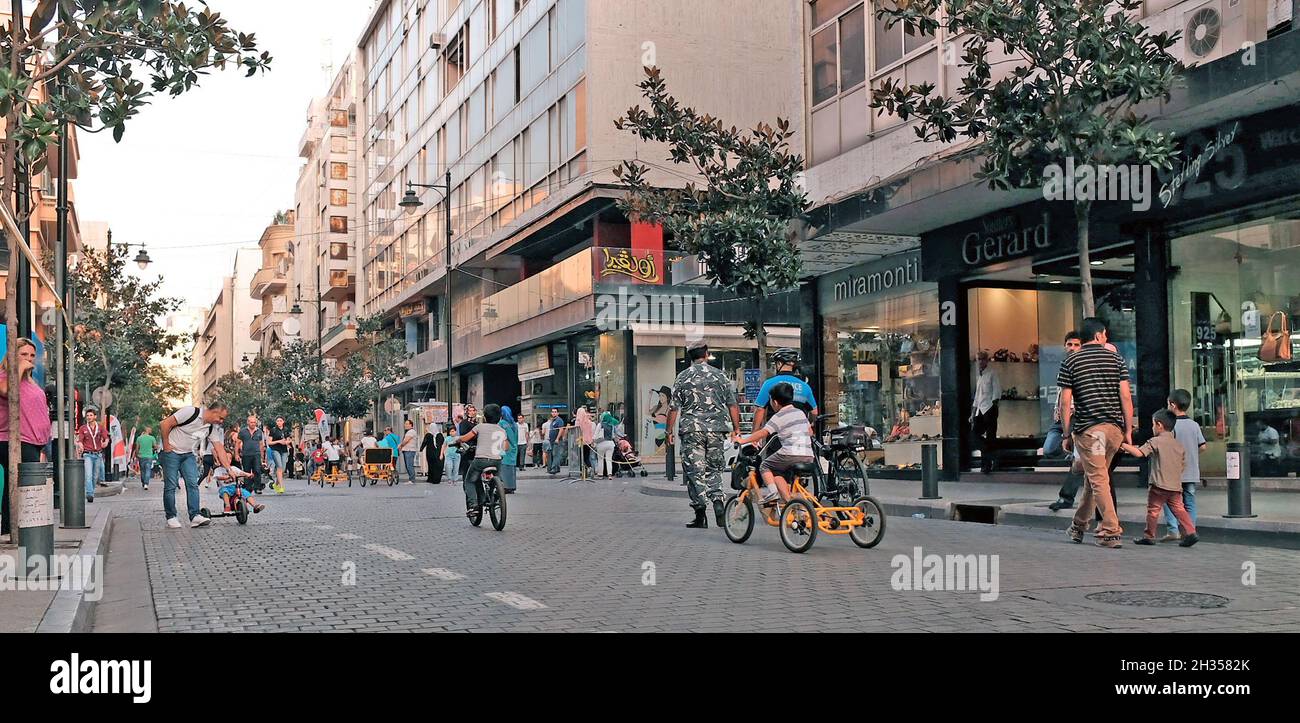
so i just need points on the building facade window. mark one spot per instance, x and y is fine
(339, 171)
(338, 197)
(338, 224)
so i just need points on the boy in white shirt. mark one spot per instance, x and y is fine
(790, 425)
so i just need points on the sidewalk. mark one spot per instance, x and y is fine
(61, 610)
(1277, 523)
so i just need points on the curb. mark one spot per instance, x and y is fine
(1283, 534)
(70, 612)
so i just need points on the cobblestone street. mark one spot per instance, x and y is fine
(605, 557)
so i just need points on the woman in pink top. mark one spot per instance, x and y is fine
(33, 418)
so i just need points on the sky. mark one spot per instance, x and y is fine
(197, 176)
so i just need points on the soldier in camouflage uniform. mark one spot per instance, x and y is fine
(705, 412)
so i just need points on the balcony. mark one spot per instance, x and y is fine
(268, 281)
(264, 321)
(568, 281)
(340, 282)
(340, 341)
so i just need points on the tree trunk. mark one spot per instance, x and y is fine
(760, 336)
(15, 445)
(1081, 214)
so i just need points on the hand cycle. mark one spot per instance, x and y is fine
(800, 519)
(491, 494)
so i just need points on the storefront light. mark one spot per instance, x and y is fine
(1097, 263)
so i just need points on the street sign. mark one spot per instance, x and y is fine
(102, 397)
(753, 382)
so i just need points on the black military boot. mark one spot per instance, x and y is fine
(718, 510)
(701, 521)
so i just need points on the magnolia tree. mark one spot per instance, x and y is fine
(740, 212)
(1082, 68)
(99, 62)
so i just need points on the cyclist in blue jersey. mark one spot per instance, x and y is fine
(787, 370)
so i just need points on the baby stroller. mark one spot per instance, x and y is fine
(626, 459)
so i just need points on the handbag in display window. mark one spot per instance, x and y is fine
(1275, 342)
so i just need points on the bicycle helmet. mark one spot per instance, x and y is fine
(786, 356)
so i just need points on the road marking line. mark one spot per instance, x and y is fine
(304, 519)
(324, 527)
(517, 601)
(389, 552)
(443, 573)
(348, 536)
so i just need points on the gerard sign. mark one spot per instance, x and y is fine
(1001, 239)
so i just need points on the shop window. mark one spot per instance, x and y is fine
(886, 376)
(1235, 303)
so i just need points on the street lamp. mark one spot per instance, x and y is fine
(410, 201)
(141, 259)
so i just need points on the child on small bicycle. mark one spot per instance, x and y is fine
(227, 479)
(790, 426)
(491, 444)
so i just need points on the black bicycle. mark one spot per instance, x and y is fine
(845, 479)
(491, 495)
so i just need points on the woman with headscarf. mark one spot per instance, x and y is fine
(509, 460)
(431, 445)
(606, 435)
(586, 427)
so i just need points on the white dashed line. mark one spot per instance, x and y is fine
(324, 527)
(348, 536)
(517, 601)
(389, 552)
(304, 519)
(443, 573)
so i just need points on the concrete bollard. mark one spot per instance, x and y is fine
(74, 494)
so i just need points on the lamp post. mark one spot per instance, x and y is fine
(410, 201)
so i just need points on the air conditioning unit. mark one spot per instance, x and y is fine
(1219, 28)
(437, 41)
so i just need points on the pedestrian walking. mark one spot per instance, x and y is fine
(278, 446)
(1189, 434)
(1054, 444)
(451, 453)
(510, 456)
(1167, 462)
(606, 436)
(984, 411)
(524, 445)
(181, 434)
(92, 438)
(551, 445)
(33, 420)
(252, 446)
(705, 414)
(1097, 408)
(535, 444)
(146, 450)
(409, 445)
(584, 428)
(432, 448)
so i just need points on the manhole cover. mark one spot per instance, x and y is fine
(1159, 599)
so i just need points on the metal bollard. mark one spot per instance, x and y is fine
(1239, 480)
(670, 463)
(74, 494)
(930, 472)
(36, 522)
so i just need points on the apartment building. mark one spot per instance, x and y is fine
(224, 344)
(915, 266)
(324, 277)
(514, 101)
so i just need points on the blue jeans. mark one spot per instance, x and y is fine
(146, 470)
(94, 471)
(1189, 501)
(176, 465)
(1052, 445)
(453, 464)
(275, 460)
(408, 459)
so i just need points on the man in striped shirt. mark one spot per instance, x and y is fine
(1095, 381)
